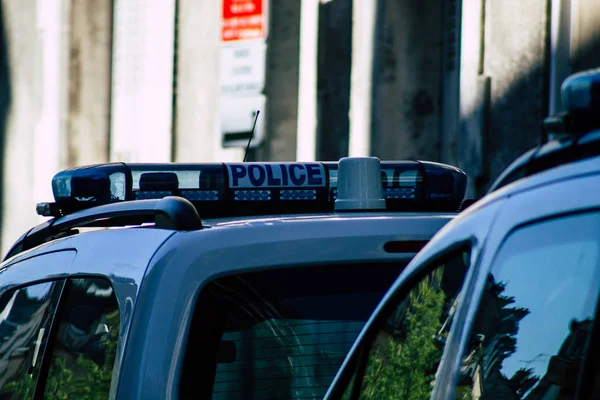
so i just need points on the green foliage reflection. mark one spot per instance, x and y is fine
(85, 379)
(403, 364)
(21, 389)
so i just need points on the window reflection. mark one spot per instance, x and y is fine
(83, 354)
(535, 315)
(407, 350)
(279, 334)
(24, 327)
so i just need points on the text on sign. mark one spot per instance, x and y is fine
(276, 175)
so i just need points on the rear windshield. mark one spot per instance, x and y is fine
(279, 334)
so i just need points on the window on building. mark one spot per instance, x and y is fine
(279, 334)
(401, 354)
(25, 319)
(535, 316)
(83, 352)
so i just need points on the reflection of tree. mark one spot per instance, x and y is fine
(24, 387)
(496, 340)
(522, 381)
(403, 366)
(85, 379)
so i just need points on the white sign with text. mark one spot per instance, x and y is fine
(243, 67)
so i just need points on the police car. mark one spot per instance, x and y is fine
(238, 280)
(503, 303)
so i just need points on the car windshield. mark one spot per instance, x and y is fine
(279, 334)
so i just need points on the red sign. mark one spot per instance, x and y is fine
(242, 20)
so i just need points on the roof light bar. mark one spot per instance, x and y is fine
(580, 92)
(359, 186)
(580, 95)
(256, 188)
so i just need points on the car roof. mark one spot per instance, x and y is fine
(557, 152)
(266, 219)
(189, 260)
(472, 225)
(236, 233)
(449, 233)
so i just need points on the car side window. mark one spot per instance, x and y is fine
(25, 320)
(534, 318)
(401, 356)
(82, 353)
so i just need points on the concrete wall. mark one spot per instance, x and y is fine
(196, 100)
(472, 137)
(516, 57)
(55, 100)
(450, 77)
(585, 51)
(333, 80)
(48, 123)
(33, 96)
(281, 86)
(406, 110)
(90, 37)
(6, 101)
(505, 79)
(142, 81)
(504, 84)
(197, 124)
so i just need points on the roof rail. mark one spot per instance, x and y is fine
(516, 170)
(467, 203)
(550, 155)
(170, 212)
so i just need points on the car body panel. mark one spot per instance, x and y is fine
(575, 195)
(56, 264)
(469, 228)
(119, 255)
(191, 259)
(157, 274)
(568, 188)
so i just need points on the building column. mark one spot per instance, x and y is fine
(282, 83)
(197, 126)
(470, 152)
(585, 44)
(306, 137)
(34, 107)
(560, 51)
(90, 48)
(407, 80)
(364, 15)
(142, 81)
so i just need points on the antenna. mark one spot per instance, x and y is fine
(251, 135)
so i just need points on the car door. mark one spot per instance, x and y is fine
(529, 332)
(398, 353)
(30, 292)
(58, 333)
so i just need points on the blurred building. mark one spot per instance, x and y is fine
(464, 82)
(560, 380)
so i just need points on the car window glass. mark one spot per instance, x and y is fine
(534, 318)
(279, 334)
(84, 349)
(25, 320)
(402, 358)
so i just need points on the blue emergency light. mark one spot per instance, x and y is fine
(252, 188)
(580, 94)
